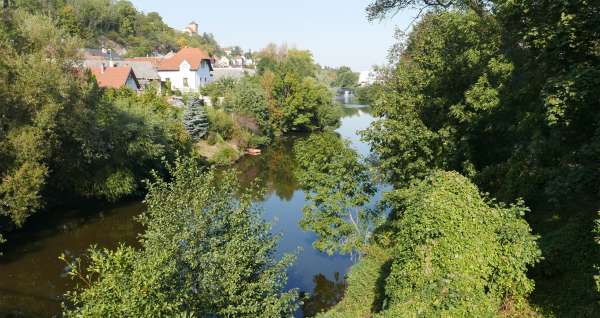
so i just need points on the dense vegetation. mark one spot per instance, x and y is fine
(487, 134)
(504, 92)
(283, 97)
(449, 251)
(339, 188)
(205, 252)
(118, 25)
(61, 136)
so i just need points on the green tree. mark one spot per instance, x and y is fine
(204, 253)
(345, 78)
(456, 253)
(248, 98)
(338, 189)
(61, 136)
(195, 119)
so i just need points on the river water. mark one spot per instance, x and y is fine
(32, 278)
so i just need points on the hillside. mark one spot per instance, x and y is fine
(118, 25)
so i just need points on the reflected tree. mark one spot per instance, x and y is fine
(327, 293)
(338, 191)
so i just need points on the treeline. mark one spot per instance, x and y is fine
(117, 23)
(283, 97)
(61, 136)
(503, 94)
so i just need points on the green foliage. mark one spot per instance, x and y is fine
(248, 98)
(61, 136)
(366, 280)
(597, 238)
(204, 253)
(195, 119)
(217, 89)
(431, 103)
(306, 105)
(117, 23)
(456, 254)
(220, 123)
(345, 78)
(338, 187)
(504, 92)
(366, 95)
(226, 155)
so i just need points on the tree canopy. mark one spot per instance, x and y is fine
(205, 252)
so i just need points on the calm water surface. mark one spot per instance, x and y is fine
(32, 278)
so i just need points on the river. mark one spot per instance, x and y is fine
(32, 278)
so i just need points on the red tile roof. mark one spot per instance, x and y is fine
(193, 56)
(113, 77)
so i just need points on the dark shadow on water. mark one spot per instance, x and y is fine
(326, 294)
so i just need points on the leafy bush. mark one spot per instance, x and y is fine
(249, 98)
(212, 138)
(258, 141)
(225, 156)
(205, 252)
(456, 254)
(62, 136)
(221, 123)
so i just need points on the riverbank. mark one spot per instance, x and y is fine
(34, 279)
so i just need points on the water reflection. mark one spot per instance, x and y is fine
(31, 284)
(326, 294)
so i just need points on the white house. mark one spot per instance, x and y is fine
(187, 71)
(367, 78)
(223, 61)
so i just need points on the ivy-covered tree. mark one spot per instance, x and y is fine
(205, 252)
(447, 251)
(195, 119)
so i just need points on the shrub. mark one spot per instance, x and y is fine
(221, 123)
(225, 156)
(456, 254)
(205, 253)
(212, 138)
(257, 141)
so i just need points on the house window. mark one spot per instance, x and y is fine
(185, 82)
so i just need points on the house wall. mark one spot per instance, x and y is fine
(131, 83)
(195, 79)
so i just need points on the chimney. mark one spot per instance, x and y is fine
(102, 68)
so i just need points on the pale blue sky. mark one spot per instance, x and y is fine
(336, 31)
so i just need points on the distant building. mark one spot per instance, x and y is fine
(238, 61)
(144, 69)
(191, 29)
(115, 77)
(367, 78)
(233, 73)
(145, 72)
(223, 61)
(188, 70)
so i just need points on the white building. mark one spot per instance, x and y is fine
(367, 78)
(223, 61)
(187, 71)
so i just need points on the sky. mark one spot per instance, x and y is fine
(336, 31)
